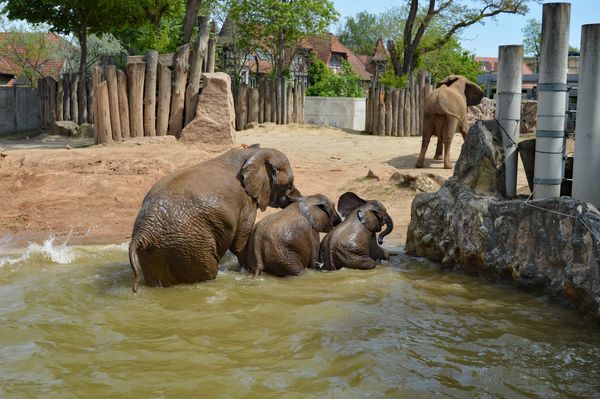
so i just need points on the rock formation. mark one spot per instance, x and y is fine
(214, 122)
(550, 245)
(486, 111)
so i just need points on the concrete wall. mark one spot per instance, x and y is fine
(18, 110)
(342, 112)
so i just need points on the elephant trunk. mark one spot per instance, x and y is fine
(389, 223)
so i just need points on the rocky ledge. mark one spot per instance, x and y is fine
(552, 245)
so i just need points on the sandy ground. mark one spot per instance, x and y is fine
(92, 194)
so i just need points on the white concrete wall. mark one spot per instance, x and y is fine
(342, 112)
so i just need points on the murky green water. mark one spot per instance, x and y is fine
(71, 327)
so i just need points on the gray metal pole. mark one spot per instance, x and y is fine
(586, 183)
(552, 90)
(508, 109)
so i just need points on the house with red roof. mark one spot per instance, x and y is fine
(14, 56)
(490, 65)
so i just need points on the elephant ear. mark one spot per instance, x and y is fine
(447, 81)
(349, 202)
(318, 213)
(257, 176)
(370, 218)
(473, 93)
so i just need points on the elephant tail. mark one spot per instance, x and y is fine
(135, 264)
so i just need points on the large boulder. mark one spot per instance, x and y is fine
(214, 122)
(486, 111)
(550, 245)
(65, 128)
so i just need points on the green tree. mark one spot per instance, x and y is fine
(77, 17)
(451, 59)
(98, 46)
(450, 17)
(532, 41)
(325, 83)
(275, 24)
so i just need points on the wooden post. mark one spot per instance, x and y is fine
(394, 104)
(268, 101)
(295, 103)
(123, 104)
(74, 88)
(41, 102)
(241, 112)
(164, 98)
(274, 106)
(400, 121)
(135, 81)
(289, 105)
(150, 93)
(59, 99)
(96, 77)
(406, 112)
(261, 100)
(102, 131)
(253, 103)
(368, 110)
(90, 100)
(302, 95)
(67, 97)
(212, 49)
(180, 63)
(199, 54)
(381, 112)
(388, 112)
(110, 71)
(52, 100)
(82, 99)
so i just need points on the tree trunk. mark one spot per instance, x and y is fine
(90, 101)
(150, 93)
(191, 92)
(191, 12)
(212, 49)
(178, 90)
(59, 99)
(164, 98)
(113, 99)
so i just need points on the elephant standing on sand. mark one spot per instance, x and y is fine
(287, 242)
(191, 217)
(354, 244)
(445, 112)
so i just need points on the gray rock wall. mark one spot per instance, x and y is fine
(546, 245)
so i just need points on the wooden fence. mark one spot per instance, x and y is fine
(398, 112)
(260, 104)
(68, 99)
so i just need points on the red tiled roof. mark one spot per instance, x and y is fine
(49, 67)
(493, 67)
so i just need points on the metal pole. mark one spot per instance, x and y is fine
(508, 109)
(586, 164)
(552, 89)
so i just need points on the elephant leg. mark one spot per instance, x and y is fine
(439, 149)
(239, 245)
(375, 251)
(363, 262)
(450, 127)
(427, 132)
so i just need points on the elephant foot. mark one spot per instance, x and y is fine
(437, 157)
(447, 166)
(419, 164)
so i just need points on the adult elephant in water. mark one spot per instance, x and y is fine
(191, 217)
(445, 113)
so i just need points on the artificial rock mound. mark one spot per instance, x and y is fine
(214, 122)
(549, 245)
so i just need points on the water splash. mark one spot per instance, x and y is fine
(61, 254)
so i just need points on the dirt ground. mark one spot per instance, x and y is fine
(52, 185)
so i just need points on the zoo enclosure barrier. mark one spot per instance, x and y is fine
(260, 104)
(398, 112)
(18, 109)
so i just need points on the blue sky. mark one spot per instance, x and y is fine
(483, 40)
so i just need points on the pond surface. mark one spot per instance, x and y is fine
(70, 327)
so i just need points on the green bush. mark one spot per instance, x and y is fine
(325, 83)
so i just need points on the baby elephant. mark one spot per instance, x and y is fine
(353, 244)
(287, 242)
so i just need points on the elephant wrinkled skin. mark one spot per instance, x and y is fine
(191, 217)
(354, 243)
(287, 242)
(445, 113)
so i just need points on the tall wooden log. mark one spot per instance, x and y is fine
(180, 62)
(295, 103)
(212, 48)
(59, 99)
(274, 98)
(135, 81)
(52, 99)
(67, 97)
(164, 98)
(302, 96)
(96, 77)
(368, 110)
(394, 103)
(90, 100)
(41, 83)
(289, 106)
(253, 103)
(198, 55)
(268, 101)
(381, 112)
(102, 131)
(400, 121)
(123, 104)
(413, 108)
(150, 93)
(406, 112)
(261, 100)
(241, 114)
(388, 113)
(82, 99)
(110, 71)
(74, 106)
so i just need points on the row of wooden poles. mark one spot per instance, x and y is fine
(68, 99)
(260, 104)
(398, 112)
